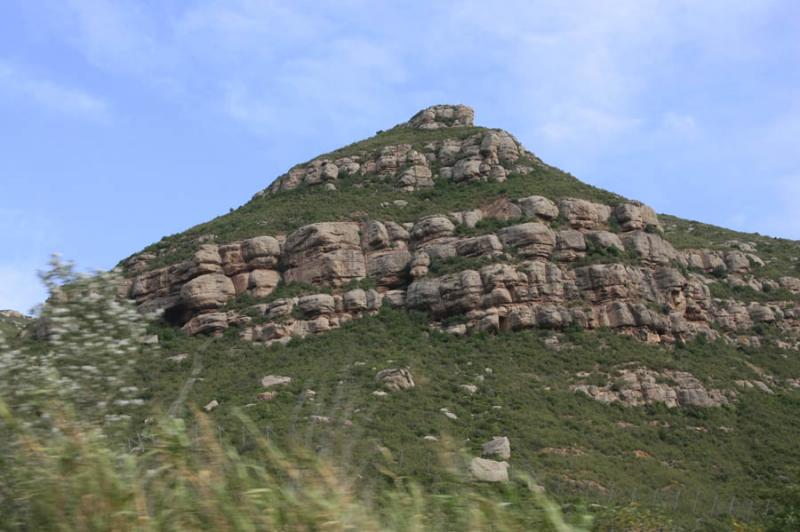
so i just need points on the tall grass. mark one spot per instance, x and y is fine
(73, 477)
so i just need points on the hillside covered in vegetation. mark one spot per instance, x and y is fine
(436, 307)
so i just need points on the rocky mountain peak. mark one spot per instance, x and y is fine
(439, 116)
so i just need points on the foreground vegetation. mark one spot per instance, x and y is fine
(77, 455)
(326, 452)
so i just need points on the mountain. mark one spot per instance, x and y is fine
(440, 281)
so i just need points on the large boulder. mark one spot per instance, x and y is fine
(500, 145)
(389, 268)
(583, 214)
(316, 304)
(460, 292)
(208, 291)
(431, 228)
(570, 245)
(261, 283)
(395, 379)
(539, 207)
(479, 246)
(502, 209)
(605, 240)
(530, 240)
(649, 247)
(636, 217)
(261, 252)
(486, 470)
(327, 254)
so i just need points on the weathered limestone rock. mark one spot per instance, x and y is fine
(207, 292)
(636, 217)
(459, 292)
(261, 283)
(415, 177)
(530, 240)
(570, 245)
(761, 313)
(640, 386)
(605, 240)
(439, 116)
(608, 282)
(500, 145)
(374, 235)
(419, 265)
(394, 379)
(397, 233)
(431, 228)
(316, 304)
(327, 254)
(538, 206)
(737, 262)
(498, 446)
(467, 170)
(583, 214)
(261, 252)
(485, 470)
(467, 218)
(274, 380)
(705, 260)
(649, 247)
(790, 283)
(213, 323)
(479, 246)
(389, 268)
(502, 209)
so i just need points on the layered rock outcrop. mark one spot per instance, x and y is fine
(553, 265)
(642, 386)
(483, 155)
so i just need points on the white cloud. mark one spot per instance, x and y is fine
(50, 95)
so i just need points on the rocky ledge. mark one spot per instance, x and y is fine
(551, 265)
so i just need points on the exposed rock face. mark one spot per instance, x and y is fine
(527, 275)
(328, 254)
(636, 217)
(530, 240)
(539, 206)
(641, 386)
(582, 214)
(439, 116)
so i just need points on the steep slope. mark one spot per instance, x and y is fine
(628, 356)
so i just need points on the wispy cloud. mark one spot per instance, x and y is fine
(51, 95)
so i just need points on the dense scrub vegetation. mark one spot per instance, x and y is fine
(155, 462)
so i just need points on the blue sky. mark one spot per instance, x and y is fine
(122, 121)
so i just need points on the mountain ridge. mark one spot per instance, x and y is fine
(569, 255)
